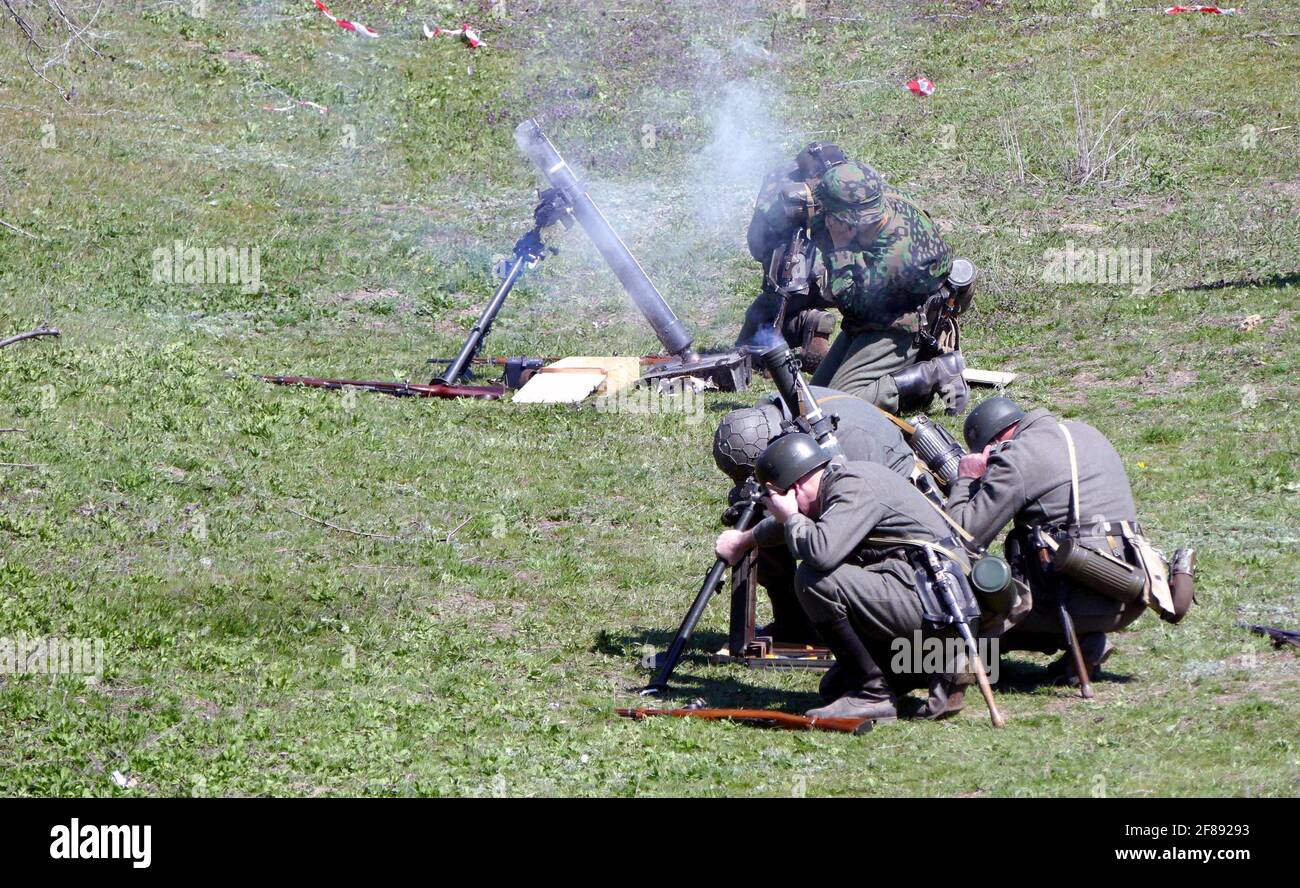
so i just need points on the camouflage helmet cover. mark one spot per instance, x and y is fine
(854, 194)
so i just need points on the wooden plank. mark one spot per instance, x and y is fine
(988, 377)
(571, 380)
(567, 387)
(620, 371)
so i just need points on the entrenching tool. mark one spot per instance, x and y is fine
(944, 582)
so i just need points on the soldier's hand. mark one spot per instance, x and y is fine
(732, 544)
(974, 465)
(781, 506)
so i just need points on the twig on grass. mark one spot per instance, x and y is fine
(452, 532)
(31, 334)
(360, 533)
(14, 228)
(370, 535)
(6, 465)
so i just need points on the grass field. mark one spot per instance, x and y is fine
(520, 559)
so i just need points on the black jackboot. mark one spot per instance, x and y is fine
(867, 695)
(942, 375)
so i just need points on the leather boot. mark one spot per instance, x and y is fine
(867, 695)
(942, 375)
(948, 692)
(1096, 649)
(811, 330)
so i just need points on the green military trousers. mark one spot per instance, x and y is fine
(860, 364)
(880, 600)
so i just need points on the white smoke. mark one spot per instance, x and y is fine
(746, 143)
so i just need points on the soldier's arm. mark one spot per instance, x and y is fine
(985, 505)
(768, 533)
(850, 512)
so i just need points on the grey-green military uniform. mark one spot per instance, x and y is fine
(864, 431)
(1028, 482)
(865, 434)
(842, 572)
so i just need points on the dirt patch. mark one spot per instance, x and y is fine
(361, 299)
(1173, 381)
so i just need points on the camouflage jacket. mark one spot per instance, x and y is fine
(884, 283)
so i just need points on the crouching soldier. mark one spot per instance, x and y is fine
(864, 434)
(884, 259)
(1076, 537)
(858, 532)
(791, 300)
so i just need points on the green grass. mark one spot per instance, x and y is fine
(249, 650)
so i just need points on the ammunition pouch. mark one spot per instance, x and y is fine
(1142, 574)
(933, 608)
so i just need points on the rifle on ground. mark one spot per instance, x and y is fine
(397, 389)
(767, 718)
(1279, 637)
(744, 519)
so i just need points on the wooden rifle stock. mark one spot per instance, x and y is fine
(767, 718)
(397, 389)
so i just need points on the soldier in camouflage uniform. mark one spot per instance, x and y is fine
(883, 259)
(791, 298)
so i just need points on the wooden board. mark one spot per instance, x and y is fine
(988, 377)
(570, 380)
(620, 372)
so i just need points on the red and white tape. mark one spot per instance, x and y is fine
(1207, 10)
(922, 86)
(354, 27)
(464, 32)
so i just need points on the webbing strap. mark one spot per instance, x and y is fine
(920, 544)
(1075, 509)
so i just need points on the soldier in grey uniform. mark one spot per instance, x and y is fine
(1019, 471)
(854, 529)
(865, 434)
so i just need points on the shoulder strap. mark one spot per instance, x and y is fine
(962, 533)
(959, 559)
(1075, 509)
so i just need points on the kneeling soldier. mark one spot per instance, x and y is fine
(859, 532)
(864, 434)
(1064, 486)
